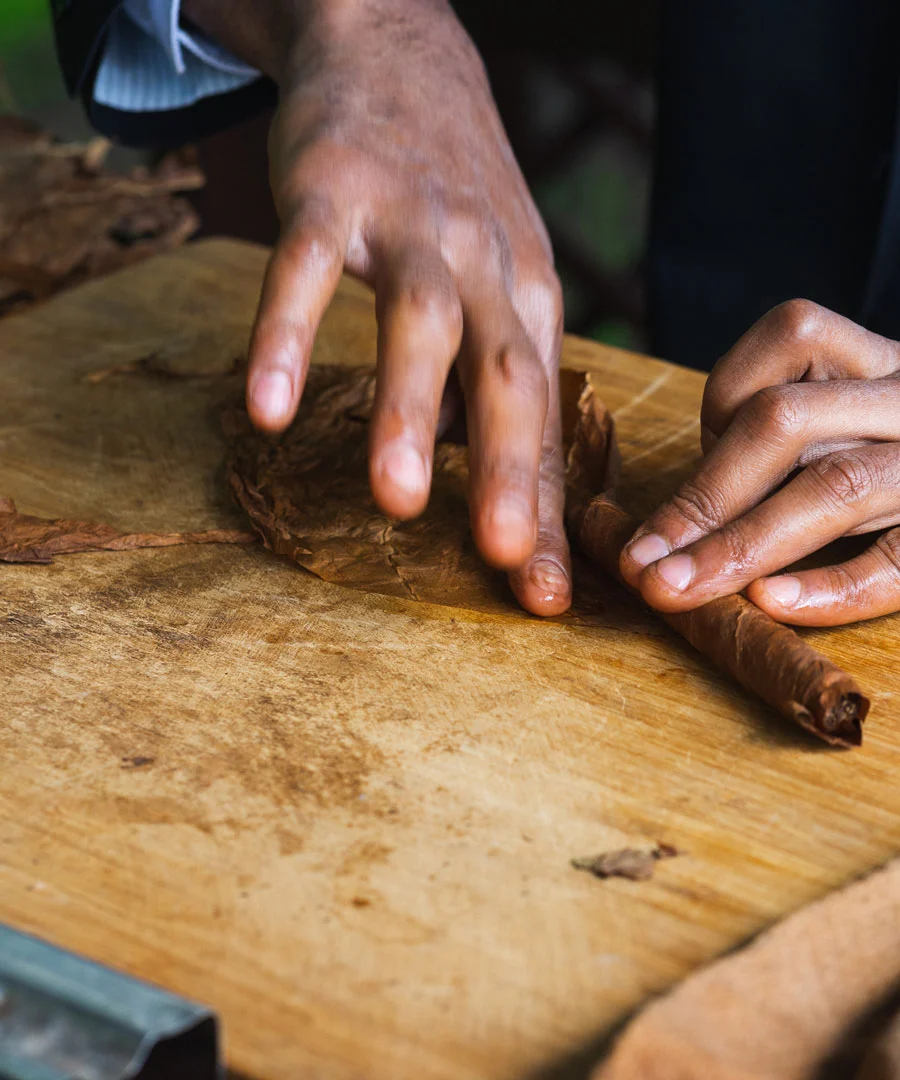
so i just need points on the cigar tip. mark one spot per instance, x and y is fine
(838, 717)
(846, 717)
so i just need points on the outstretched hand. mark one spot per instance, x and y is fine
(389, 161)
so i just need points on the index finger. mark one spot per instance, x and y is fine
(780, 428)
(837, 495)
(300, 282)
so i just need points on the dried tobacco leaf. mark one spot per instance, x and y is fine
(307, 494)
(27, 539)
(788, 1006)
(63, 219)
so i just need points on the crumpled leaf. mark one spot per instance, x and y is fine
(27, 539)
(307, 495)
(63, 219)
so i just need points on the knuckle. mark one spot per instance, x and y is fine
(471, 230)
(464, 227)
(700, 507)
(517, 369)
(776, 412)
(543, 296)
(889, 546)
(845, 586)
(846, 478)
(432, 303)
(799, 321)
(314, 250)
(738, 547)
(310, 235)
(539, 303)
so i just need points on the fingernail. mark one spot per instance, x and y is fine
(676, 571)
(510, 515)
(271, 393)
(784, 590)
(550, 578)
(404, 466)
(648, 549)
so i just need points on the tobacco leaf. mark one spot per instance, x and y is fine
(635, 864)
(63, 219)
(27, 539)
(187, 356)
(307, 494)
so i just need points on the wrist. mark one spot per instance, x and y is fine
(261, 33)
(275, 35)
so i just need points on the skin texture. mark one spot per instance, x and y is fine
(801, 433)
(389, 161)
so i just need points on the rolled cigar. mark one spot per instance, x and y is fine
(764, 656)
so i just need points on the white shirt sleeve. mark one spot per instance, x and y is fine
(151, 63)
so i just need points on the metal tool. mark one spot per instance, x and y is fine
(65, 1018)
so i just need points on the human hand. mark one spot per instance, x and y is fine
(803, 389)
(389, 160)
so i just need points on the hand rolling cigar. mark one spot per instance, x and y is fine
(763, 656)
(306, 498)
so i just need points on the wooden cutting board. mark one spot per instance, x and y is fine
(345, 821)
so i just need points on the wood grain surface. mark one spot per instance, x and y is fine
(342, 820)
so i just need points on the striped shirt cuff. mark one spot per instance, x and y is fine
(151, 63)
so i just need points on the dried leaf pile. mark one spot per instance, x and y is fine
(64, 219)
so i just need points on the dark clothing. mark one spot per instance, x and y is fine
(79, 26)
(777, 173)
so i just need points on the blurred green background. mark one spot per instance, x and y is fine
(30, 82)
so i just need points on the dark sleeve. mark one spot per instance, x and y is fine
(80, 27)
